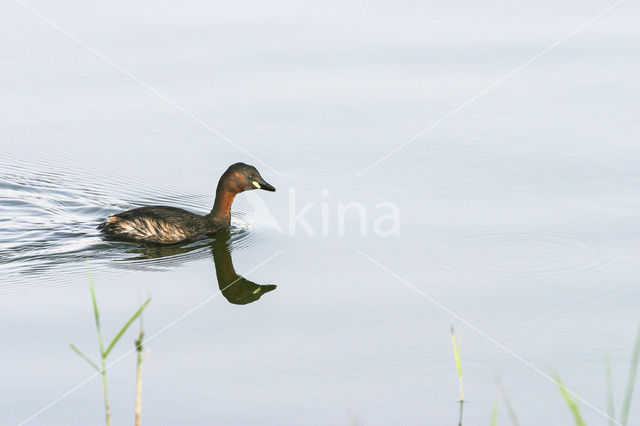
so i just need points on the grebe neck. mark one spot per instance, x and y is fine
(221, 211)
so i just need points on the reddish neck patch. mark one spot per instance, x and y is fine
(229, 185)
(222, 206)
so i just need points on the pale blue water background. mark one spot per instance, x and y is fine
(520, 212)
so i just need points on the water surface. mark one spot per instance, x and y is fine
(518, 214)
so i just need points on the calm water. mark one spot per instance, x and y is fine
(519, 213)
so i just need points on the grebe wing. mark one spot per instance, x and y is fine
(157, 224)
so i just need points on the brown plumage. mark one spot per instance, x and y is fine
(171, 225)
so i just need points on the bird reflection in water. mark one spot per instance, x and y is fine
(235, 288)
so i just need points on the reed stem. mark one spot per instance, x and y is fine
(105, 389)
(139, 359)
(456, 356)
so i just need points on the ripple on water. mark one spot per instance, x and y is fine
(48, 229)
(531, 252)
(46, 223)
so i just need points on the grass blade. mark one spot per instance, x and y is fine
(611, 410)
(456, 355)
(506, 400)
(494, 413)
(631, 380)
(83, 356)
(96, 313)
(126, 326)
(571, 403)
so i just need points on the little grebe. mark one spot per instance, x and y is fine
(171, 225)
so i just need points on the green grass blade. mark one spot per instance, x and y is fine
(611, 410)
(631, 380)
(494, 413)
(96, 313)
(571, 403)
(83, 356)
(126, 326)
(456, 355)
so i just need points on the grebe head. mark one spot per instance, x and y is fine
(243, 177)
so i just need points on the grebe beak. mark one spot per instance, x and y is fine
(261, 184)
